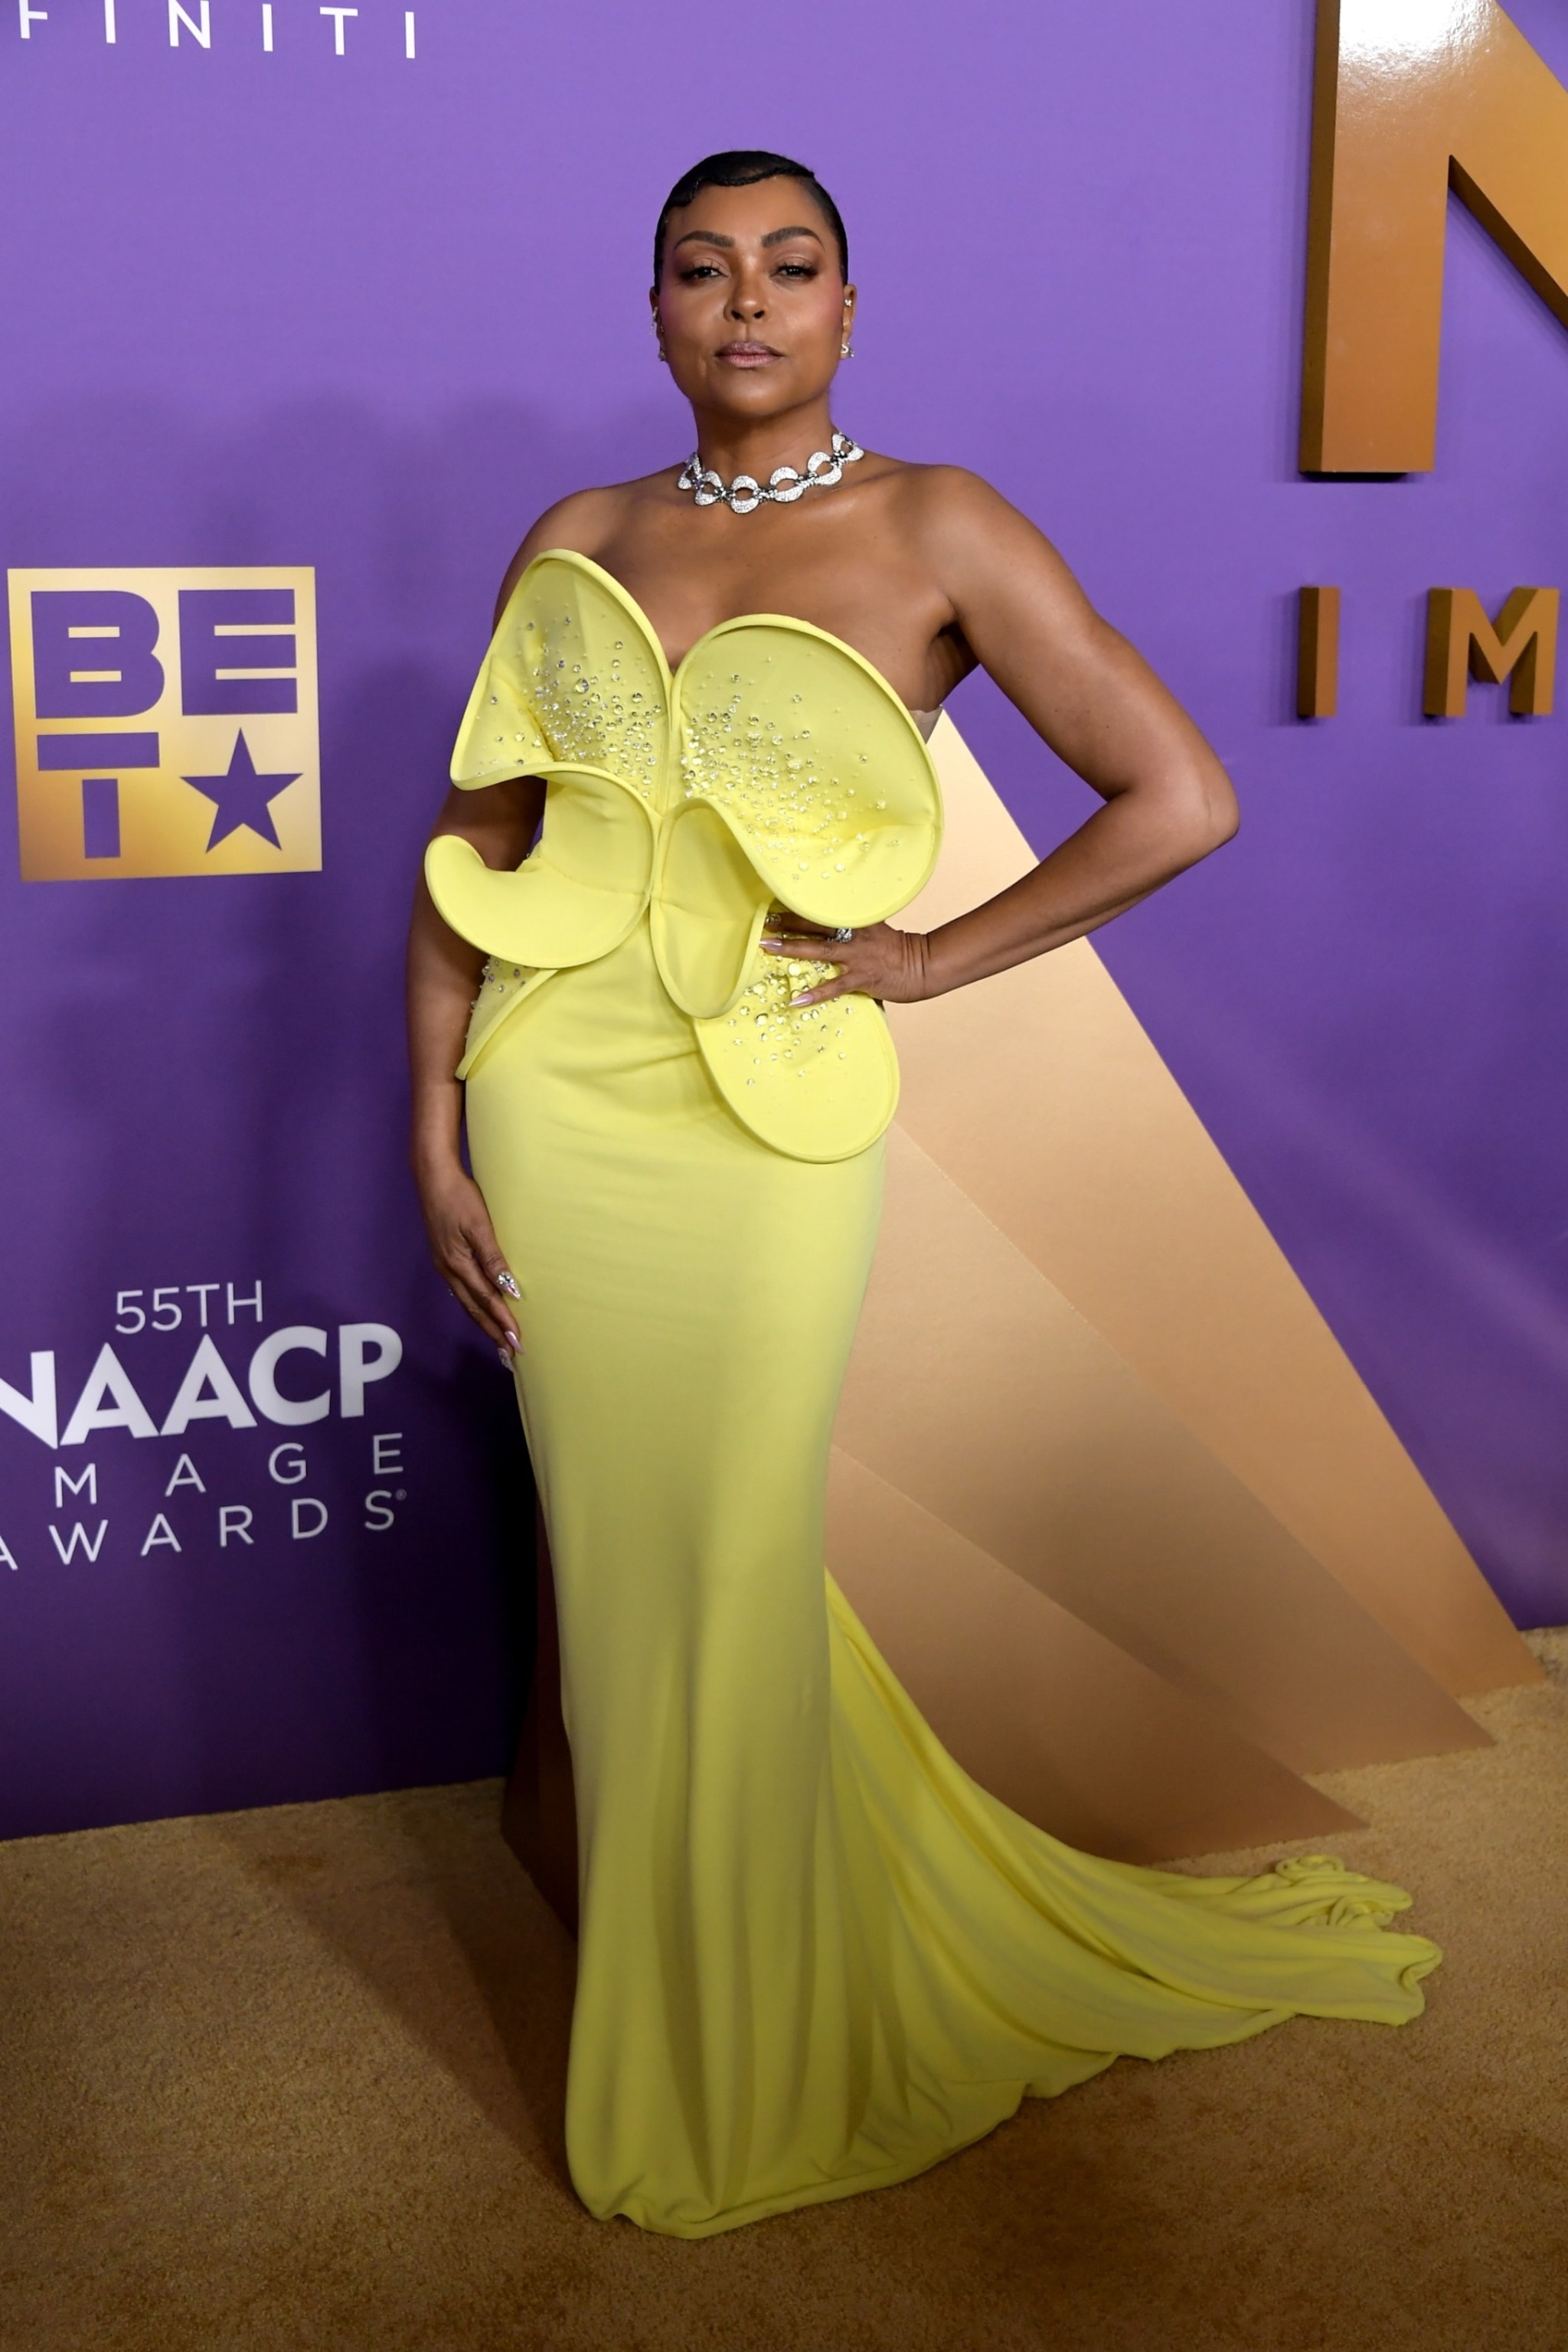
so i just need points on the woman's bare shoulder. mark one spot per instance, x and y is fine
(941, 499)
(587, 522)
(959, 531)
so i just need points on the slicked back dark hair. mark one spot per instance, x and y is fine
(742, 167)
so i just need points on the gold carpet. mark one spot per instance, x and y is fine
(292, 2080)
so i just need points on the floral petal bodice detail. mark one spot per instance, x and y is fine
(774, 768)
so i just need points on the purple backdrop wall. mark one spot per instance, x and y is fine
(369, 314)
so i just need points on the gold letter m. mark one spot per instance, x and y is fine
(1462, 644)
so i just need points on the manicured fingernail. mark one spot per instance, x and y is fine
(505, 1360)
(504, 1282)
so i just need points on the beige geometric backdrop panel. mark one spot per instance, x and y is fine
(1087, 1375)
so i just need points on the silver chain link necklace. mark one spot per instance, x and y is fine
(824, 471)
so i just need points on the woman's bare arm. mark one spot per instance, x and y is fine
(1094, 699)
(501, 821)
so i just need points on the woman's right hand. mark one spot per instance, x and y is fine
(468, 1255)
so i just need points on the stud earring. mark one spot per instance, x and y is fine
(845, 350)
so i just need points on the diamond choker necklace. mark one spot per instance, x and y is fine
(824, 471)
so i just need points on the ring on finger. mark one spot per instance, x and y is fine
(843, 935)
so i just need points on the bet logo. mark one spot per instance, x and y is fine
(165, 722)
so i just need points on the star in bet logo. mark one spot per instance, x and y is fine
(243, 797)
(165, 722)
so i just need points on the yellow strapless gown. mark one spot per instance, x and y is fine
(815, 1956)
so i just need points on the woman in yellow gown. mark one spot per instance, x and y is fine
(814, 1957)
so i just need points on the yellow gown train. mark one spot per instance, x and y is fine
(815, 1956)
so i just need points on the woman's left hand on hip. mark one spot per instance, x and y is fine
(876, 962)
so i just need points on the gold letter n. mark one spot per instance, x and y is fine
(1412, 97)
